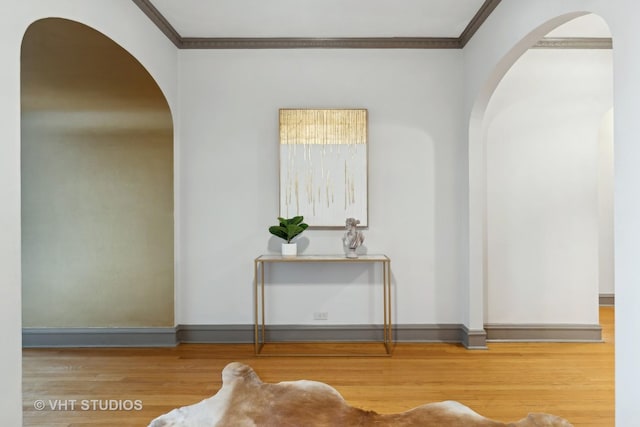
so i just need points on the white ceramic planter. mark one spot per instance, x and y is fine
(289, 249)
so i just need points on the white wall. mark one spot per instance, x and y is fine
(626, 63)
(229, 154)
(606, 265)
(10, 298)
(542, 158)
(124, 23)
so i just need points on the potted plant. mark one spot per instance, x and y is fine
(287, 230)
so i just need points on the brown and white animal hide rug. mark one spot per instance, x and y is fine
(244, 400)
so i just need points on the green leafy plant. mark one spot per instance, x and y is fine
(288, 228)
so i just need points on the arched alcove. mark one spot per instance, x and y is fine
(97, 183)
(522, 302)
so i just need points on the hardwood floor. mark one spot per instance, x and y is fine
(573, 380)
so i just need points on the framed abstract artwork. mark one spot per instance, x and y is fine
(323, 166)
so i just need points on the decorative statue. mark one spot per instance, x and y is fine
(352, 237)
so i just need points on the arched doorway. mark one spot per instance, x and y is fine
(530, 267)
(97, 184)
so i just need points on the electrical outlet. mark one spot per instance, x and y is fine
(321, 315)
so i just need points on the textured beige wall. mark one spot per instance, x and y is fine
(97, 184)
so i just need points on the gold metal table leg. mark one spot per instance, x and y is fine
(255, 307)
(386, 289)
(264, 339)
(388, 280)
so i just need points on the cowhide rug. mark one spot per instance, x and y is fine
(244, 400)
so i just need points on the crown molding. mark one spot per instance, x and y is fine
(161, 22)
(322, 43)
(574, 43)
(358, 43)
(316, 43)
(476, 22)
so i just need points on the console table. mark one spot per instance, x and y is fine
(261, 263)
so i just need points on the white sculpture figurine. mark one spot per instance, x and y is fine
(352, 237)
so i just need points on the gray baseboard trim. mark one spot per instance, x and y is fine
(607, 299)
(98, 337)
(243, 334)
(329, 333)
(544, 333)
(215, 334)
(335, 333)
(474, 339)
(230, 334)
(451, 333)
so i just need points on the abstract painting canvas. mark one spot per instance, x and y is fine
(323, 165)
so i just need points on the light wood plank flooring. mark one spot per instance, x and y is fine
(506, 382)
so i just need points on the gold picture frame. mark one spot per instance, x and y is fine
(323, 165)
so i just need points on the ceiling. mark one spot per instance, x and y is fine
(318, 23)
(313, 18)
(400, 24)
